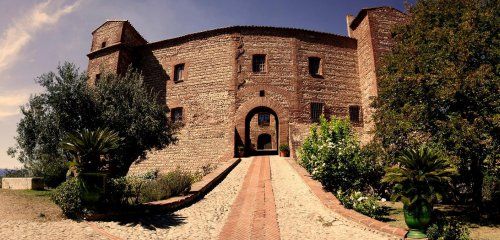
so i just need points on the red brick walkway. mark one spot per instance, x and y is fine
(253, 213)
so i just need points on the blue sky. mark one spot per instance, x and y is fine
(35, 36)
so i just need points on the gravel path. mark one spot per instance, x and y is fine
(63, 229)
(302, 216)
(202, 220)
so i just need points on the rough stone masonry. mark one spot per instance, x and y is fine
(250, 87)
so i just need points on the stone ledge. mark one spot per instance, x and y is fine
(28, 183)
(330, 201)
(198, 190)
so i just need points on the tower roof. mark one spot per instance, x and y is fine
(363, 12)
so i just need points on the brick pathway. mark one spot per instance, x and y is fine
(253, 213)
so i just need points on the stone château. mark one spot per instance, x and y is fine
(252, 86)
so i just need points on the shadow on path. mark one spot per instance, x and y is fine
(151, 221)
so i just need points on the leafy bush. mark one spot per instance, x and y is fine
(68, 197)
(172, 184)
(448, 230)
(284, 148)
(331, 153)
(205, 170)
(363, 203)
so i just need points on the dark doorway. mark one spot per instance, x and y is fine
(265, 132)
(264, 142)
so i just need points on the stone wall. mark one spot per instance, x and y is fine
(207, 104)
(372, 29)
(220, 92)
(32, 183)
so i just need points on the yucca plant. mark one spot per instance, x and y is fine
(88, 147)
(420, 178)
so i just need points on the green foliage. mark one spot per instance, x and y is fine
(331, 154)
(441, 84)
(147, 187)
(172, 184)
(284, 148)
(134, 112)
(363, 203)
(120, 103)
(64, 106)
(421, 175)
(448, 230)
(87, 147)
(68, 197)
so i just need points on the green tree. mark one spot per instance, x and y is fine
(68, 104)
(440, 85)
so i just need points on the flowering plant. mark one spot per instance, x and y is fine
(366, 204)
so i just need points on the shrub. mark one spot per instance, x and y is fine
(178, 182)
(284, 148)
(162, 187)
(68, 197)
(448, 230)
(331, 153)
(363, 203)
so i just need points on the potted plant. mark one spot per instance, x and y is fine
(241, 151)
(419, 179)
(284, 150)
(88, 150)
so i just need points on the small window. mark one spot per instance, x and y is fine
(97, 77)
(264, 119)
(315, 66)
(259, 63)
(262, 93)
(316, 111)
(103, 44)
(177, 115)
(354, 114)
(179, 72)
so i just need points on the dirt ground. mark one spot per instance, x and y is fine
(28, 205)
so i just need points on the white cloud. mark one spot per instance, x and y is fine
(11, 101)
(22, 30)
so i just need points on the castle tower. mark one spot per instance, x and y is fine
(372, 28)
(112, 48)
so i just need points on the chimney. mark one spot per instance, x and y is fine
(349, 18)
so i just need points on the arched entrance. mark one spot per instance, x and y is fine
(261, 132)
(247, 129)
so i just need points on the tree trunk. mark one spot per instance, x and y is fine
(477, 184)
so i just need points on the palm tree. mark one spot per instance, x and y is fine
(422, 174)
(419, 180)
(88, 147)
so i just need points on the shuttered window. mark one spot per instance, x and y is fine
(316, 111)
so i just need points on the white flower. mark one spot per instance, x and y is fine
(383, 200)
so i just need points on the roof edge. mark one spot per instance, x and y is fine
(363, 12)
(239, 28)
